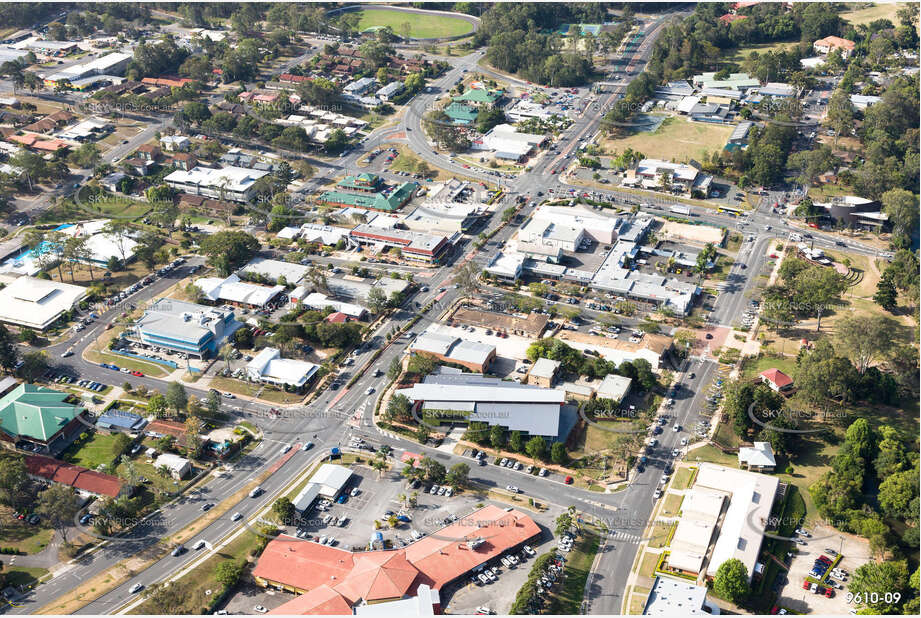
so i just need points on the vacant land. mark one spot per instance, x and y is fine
(20, 535)
(744, 52)
(414, 25)
(676, 139)
(865, 12)
(95, 451)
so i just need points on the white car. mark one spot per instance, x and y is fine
(675, 452)
(236, 516)
(529, 550)
(543, 472)
(676, 428)
(355, 491)
(260, 609)
(483, 579)
(512, 489)
(136, 588)
(489, 573)
(684, 441)
(370, 390)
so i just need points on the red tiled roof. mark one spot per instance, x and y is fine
(728, 18)
(835, 41)
(74, 476)
(337, 317)
(165, 81)
(375, 575)
(167, 428)
(378, 575)
(777, 377)
(290, 77)
(321, 601)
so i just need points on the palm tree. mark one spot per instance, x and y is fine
(380, 466)
(226, 353)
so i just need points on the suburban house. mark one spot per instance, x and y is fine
(831, 43)
(88, 483)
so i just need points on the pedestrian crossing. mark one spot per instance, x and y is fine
(625, 537)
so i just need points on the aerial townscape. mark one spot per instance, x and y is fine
(462, 308)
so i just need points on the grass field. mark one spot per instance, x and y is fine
(245, 388)
(24, 576)
(92, 453)
(648, 564)
(754, 366)
(744, 52)
(676, 139)
(414, 25)
(672, 504)
(865, 12)
(21, 535)
(682, 478)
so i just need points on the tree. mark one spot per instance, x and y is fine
(128, 472)
(14, 479)
(192, 436)
(902, 208)
(536, 447)
(865, 338)
(497, 436)
(168, 597)
(176, 396)
(119, 232)
(377, 300)
(228, 250)
(157, 406)
(516, 442)
(458, 475)
(558, 453)
(731, 581)
(9, 354)
(467, 278)
(898, 494)
(868, 579)
(283, 510)
(395, 369)
(840, 115)
(817, 288)
(886, 295)
(563, 523)
(228, 573)
(119, 443)
(57, 505)
(434, 471)
(34, 365)
(213, 402)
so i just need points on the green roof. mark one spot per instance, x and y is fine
(360, 182)
(461, 114)
(479, 95)
(35, 412)
(376, 201)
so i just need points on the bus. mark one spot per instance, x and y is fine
(731, 210)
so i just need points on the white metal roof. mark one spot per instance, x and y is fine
(268, 364)
(545, 368)
(614, 387)
(675, 597)
(37, 303)
(332, 478)
(760, 454)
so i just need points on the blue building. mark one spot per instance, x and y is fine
(186, 327)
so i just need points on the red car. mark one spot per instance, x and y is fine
(137, 374)
(568, 480)
(829, 592)
(806, 584)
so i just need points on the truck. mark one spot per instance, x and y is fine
(680, 210)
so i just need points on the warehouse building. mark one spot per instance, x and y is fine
(473, 355)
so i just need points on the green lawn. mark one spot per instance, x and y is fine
(154, 370)
(245, 388)
(714, 455)
(24, 576)
(97, 450)
(420, 26)
(865, 12)
(20, 535)
(743, 52)
(682, 478)
(648, 565)
(568, 599)
(672, 505)
(753, 366)
(676, 139)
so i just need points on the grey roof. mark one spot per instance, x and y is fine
(501, 392)
(306, 497)
(535, 419)
(434, 343)
(741, 130)
(614, 387)
(453, 348)
(472, 351)
(545, 368)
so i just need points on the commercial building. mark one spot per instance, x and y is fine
(477, 398)
(185, 327)
(110, 64)
(757, 458)
(87, 483)
(270, 368)
(328, 482)
(120, 420)
(700, 512)
(735, 81)
(473, 355)
(671, 596)
(854, 211)
(649, 173)
(236, 184)
(272, 270)
(233, 291)
(507, 143)
(314, 233)
(557, 235)
(777, 90)
(46, 419)
(320, 302)
(446, 217)
(543, 372)
(336, 579)
(413, 245)
(599, 228)
(525, 110)
(369, 192)
(614, 387)
(831, 43)
(37, 303)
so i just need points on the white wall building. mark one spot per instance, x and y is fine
(37, 303)
(268, 367)
(236, 184)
